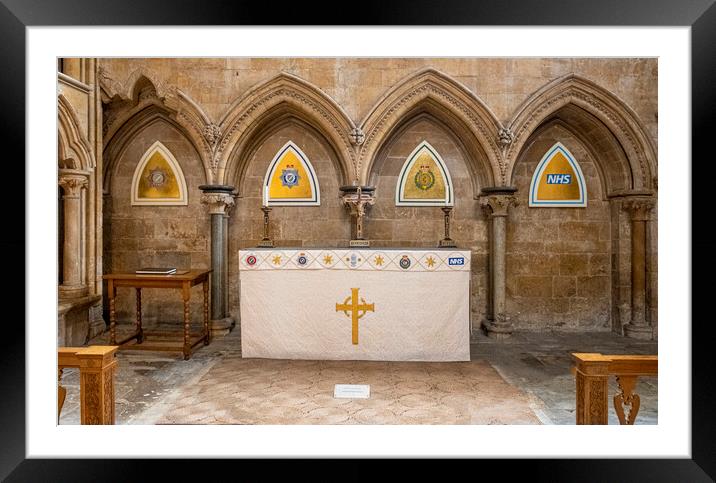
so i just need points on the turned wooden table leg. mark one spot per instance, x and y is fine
(61, 394)
(112, 293)
(207, 333)
(139, 331)
(186, 294)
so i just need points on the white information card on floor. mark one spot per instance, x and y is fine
(352, 391)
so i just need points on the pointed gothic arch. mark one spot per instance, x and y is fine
(435, 93)
(271, 103)
(139, 111)
(74, 150)
(584, 99)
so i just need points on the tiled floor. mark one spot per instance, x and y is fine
(216, 386)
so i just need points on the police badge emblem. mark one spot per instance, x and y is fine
(289, 176)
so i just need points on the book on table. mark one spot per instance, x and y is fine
(156, 271)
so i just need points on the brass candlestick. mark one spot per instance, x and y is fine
(447, 241)
(266, 242)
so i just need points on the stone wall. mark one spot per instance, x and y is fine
(567, 269)
(358, 83)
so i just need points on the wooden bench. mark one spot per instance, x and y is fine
(592, 371)
(96, 364)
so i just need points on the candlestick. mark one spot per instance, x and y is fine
(447, 241)
(266, 242)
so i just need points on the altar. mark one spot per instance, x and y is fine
(355, 304)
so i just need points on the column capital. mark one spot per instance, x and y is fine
(639, 208)
(219, 198)
(72, 183)
(497, 204)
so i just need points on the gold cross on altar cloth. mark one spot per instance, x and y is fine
(355, 308)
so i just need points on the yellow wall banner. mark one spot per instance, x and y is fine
(424, 179)
(290, 179)
(158, 179)
(558, 180)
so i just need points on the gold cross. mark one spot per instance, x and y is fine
(355, 307)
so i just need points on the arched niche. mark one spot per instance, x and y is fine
(151, 117)
(433, 93)
(270, 104)
(241, 174)
(559, 271)
(608, 124)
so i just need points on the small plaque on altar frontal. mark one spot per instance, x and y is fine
(352, 391)
(359, 243)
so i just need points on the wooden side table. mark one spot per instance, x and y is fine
(185, 282)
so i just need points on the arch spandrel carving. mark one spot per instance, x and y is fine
(613, 113)
(451, 102)
(259, 109)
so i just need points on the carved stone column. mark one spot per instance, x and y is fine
(495, 202)
(220, 200)
(639, 210)
(73, 284)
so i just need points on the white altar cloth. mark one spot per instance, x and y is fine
(409, 305)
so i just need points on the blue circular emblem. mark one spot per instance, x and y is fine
(289, 177)
(404, 262)
(302, 260)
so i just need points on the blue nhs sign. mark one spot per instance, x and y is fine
(559, 178)
(452, 261)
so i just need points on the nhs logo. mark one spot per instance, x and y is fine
(559, 178)
(456, 261)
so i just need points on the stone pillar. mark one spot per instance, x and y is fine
(639, 210)
(220, 200)
(495, 202)
(72, 283)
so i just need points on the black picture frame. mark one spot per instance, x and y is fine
(700, 15)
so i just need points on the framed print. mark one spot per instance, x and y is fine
(225, 120)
